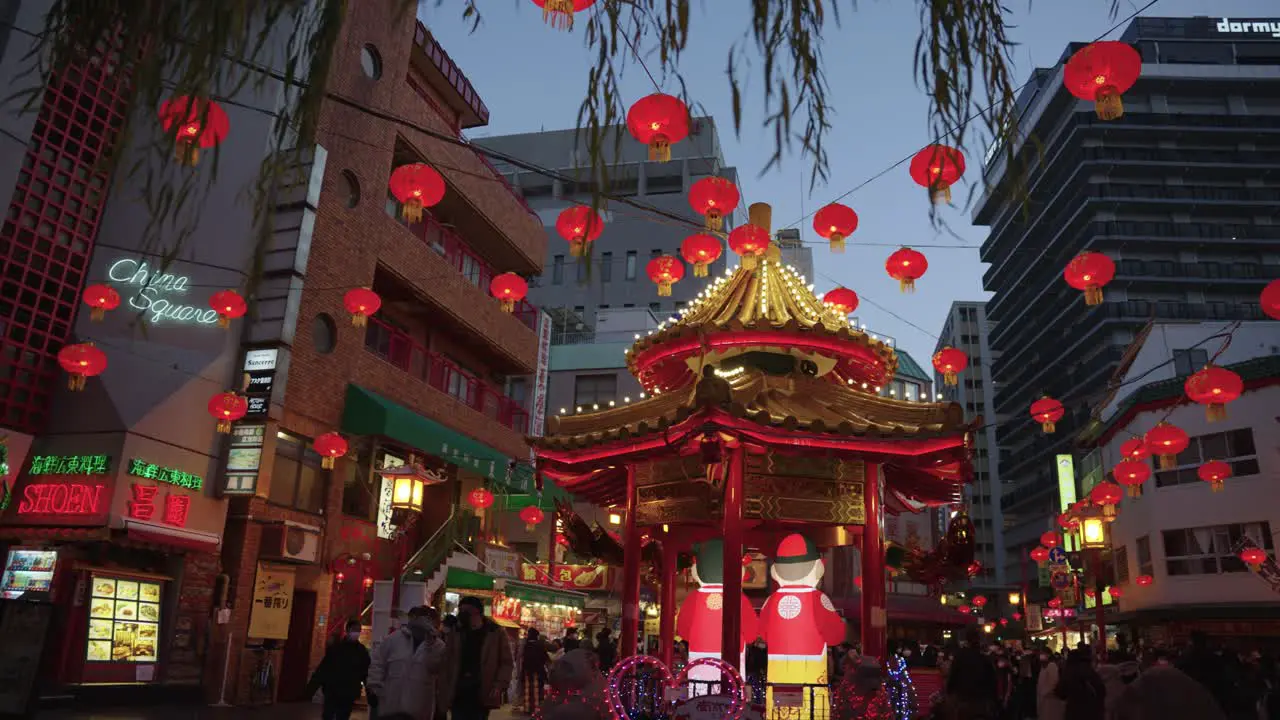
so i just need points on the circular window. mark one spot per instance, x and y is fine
(351, 188)
(371, 62)
(324, 334)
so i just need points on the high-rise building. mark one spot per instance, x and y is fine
(967, 329)
(1180, 192)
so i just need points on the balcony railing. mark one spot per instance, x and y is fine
(396, 347)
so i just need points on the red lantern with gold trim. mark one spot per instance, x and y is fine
(1253, 557)
(100, 299)
(1216, 473)
(936, 168)
(1115, 591)
(979, 601)
(510, 289)
(665, 271)
(330, 446)
(480, 498)
(416, 186)
(1089, 272)
(750, 242)
(226, 408)
(835, 223)
(1214, 387)
(81, 361)
(229, 305)
(559, 13)
(906, 266)
(579, 225)
(713, 198)
(1165, 441)
(1106, 495)
(659, 121)
(1047, 412)
(1144, 580)
(1050, 539)
(964, 609)
(1134, 449)
(532, 517)
(1131, 474)
(842, 300)
(700, 251)
(361, 303)
(197, 123)
(1101, 72)
(950, 362)
(1040, 555)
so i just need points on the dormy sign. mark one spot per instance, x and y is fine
(1249, 27)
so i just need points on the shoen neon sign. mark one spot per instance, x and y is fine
(61, 499)
(154, 290)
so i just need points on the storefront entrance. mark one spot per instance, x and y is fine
(295, 660)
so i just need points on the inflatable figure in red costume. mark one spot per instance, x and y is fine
(798, 622)
(700, 620)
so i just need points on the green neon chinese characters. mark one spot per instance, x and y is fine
(159, 473)
(70, 465)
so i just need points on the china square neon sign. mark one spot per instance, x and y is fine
(156, 292)
(62, 499)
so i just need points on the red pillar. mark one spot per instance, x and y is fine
(1100, 611)
(630, 572)
(874, 618)
(551, 551)
(731, 526)
(667, 620)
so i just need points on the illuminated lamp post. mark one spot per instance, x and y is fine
(408, 485)
(1093, 538)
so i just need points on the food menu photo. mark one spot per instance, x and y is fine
(124, 620)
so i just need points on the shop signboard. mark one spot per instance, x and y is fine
(244, 458)
(571, 577)
(272, 600)
(502, 562)
(161, 297)
(259, 379)
(1035, 618)
(65, 490)
(151, 471)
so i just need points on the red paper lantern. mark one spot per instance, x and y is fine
(81, 361)
(229, 305)
(700, 251)
(532, 517)
(1090, 592)
(1089, 272)
(226, 408)
(579, 225)
(713, 198)
(1004, 621)
(658, 121)
(416, 186)
(1115, 592)
(1017, 616)
(979, 601)
(964, 609)
(974, 568)
(750, 242)
(480, 498)
(1165, 441)
(1047, 412)
(936, 168)
(857, 581)
(330, 446)
(906, 266)
(559, 13)
(835, 222)
(1067, 521)
(1144, 580)
(1050, 540)
(1270, 299)
(1215, 472)
(340, 577)
(510, 289)
(665, 271)
(196, 123)
(1107, 495)
(1055, 602)
(100, 299)
(1253, 557)
(1101, 72)
(361, 303)
(1131, 474)
(1040, 555)
(1214, 387)
(843, 300)
(1134, 449)
(368, 582)
(950, 362)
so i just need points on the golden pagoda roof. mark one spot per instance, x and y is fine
(795, 402)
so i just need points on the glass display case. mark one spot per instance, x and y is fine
(28, 570)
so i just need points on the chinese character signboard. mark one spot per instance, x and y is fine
(571, 577)
(244, 458)
(144, 501)
(272, 598)
(501, 562)
(159, 473)
(70, 465)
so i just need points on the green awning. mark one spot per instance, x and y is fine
(515, 502)
(368, 413)
(529, 592)
(459, 579)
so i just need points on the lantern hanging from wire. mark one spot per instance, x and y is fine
(1144, 580)
(532, 517)
(936, 168)
(713, 198)
(835, 223)
(229, 305)
(1055, 603)
(416, 186)
(196, 123)
(1134, 449)
(330, 446)
(100, 298)
(1050, 539)
(1165, 442)
(842, 300)
(906, 266)
(1107, 495)
(964, 609)
(1089, 272)
(1100, 73)
(700, 251)
(559, 13)
(979, 601)
(361, 303)
(1253, 557)
(659, 121)
(1047, 411)
(579, 225)
(1269, 299)
(1132, 474)
(81, 361)
(1040, 555)
(1216, 473)
(480, 498)
(509, 288)
(665, 271)
(226, 408)
(1214, 387)
(950, 362)
(750, 242)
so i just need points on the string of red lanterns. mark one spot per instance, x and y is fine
(700, 251)
(229, 305)
(835, 223)
(100, 299)
(950, 362)
(713, 198)
(1047, 411)
(842, 299)
(906, 266)
(509, 288)
(1100, 73)
(659, 121)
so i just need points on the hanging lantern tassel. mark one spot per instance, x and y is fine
(837, 242)
(1093, 295)
(906, 284)
(411, 211)
(326, 462)
(940, 193)
(1133, 490)
(75, 383)
(664, 287)
(186, 152)
(1217, 486)
(715, 221)
(950, 378)
(1108, 104)
(1167, 462)
(700, 269)
(659, 148)
(558, 14)
(749, 262)
(1214, 412)
(577, 247)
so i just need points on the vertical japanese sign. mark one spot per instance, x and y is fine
(538, 411)
(1066, 466)
(244, 458)
(272, 603)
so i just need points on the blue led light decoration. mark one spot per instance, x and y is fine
(902, 691)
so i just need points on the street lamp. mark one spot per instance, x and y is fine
(408, 485)
(1093, 532)
(1015, 599)
(1093, 538)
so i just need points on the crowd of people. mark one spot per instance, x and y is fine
(539, 653)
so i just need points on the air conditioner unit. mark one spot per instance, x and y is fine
(289, 544)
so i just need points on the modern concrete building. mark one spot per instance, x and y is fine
(967, 329)
(1180, 193)
(1180, 536)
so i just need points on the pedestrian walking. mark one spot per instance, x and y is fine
(405, 669)
(1082, 688)
(605, 650)
(479, 665)
(341, 673)
(571, 640)
(533, 670)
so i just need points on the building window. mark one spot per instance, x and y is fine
(606, 267)
(1143, 546)
(592, 390)
(557, 270)
(1187, 362)
(297, 481)
(1122, 565)
(1234, 446)
(911, 391)
(1211, 550)
(630, 270)
(656, 308)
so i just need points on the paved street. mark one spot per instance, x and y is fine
(295, 711)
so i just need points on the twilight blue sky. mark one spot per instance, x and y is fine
(533, 77)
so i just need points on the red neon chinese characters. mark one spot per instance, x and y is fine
(143, 504)
(61, 499)
(176, 508)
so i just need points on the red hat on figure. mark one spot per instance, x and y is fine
(796, 548)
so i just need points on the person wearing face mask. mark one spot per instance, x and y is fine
(341, 673)
(405, 668)
(480, 664)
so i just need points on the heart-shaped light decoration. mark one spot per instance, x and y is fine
(730, 680)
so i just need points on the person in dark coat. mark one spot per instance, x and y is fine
(1082, 688)
(533, 670)
(606, 651)
(341, 674)
(571, 641)
(971, 681)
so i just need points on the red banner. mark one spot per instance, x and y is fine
(569, 577)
